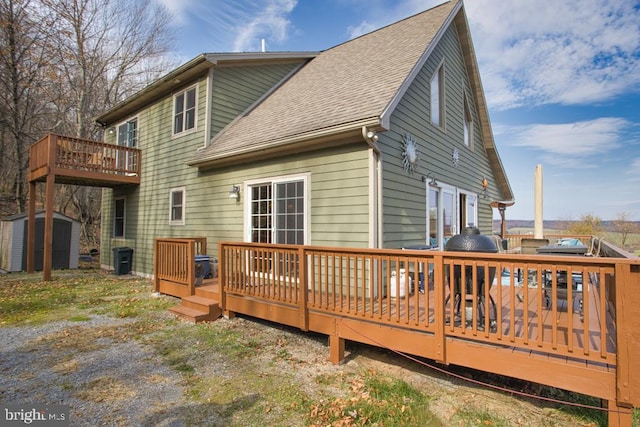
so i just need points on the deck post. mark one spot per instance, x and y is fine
(618, 416)
(627, 299)
(48, 228)
(191, 267)
(438, 289)
(336, 348)
(303, 289)
(156, 260)
(222, 280)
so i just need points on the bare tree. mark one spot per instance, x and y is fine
(105, 50)
(623, 225)
(23, 110)
(587, 225)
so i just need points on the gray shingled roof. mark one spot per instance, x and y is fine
(343, 87)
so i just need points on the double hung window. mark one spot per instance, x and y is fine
(176, 206)
(184, 111)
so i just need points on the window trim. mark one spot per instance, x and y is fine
(172, 191)
(124, 217)
(246, 189)
(184, 112)
(439, 74)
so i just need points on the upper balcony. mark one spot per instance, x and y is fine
(83, 162)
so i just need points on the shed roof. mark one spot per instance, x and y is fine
(39, 213)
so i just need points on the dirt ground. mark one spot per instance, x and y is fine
(152, 369)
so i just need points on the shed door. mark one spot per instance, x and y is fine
(61, 244)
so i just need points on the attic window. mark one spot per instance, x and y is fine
(184, 111)
(437, 97)
(468, 124)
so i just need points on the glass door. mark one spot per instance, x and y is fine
(449, 217)
(442, 219)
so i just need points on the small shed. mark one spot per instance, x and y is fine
(13, 246)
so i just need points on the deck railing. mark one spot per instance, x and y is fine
(175, 266)
(579, 309)
(68, 153)
(544, 303)
(514, 241)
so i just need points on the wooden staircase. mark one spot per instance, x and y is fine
(201, 307)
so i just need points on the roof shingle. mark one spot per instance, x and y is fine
(349, 83)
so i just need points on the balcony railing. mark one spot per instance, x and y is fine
(81, 159)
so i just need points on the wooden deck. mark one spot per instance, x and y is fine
(78, 161)
(67, 160)
(584, 338)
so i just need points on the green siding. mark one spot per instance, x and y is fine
(236, 88)
(338, 203)
(404, 195)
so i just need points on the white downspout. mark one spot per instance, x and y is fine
(375, 188)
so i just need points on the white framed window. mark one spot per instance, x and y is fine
(128, 133)
(119, 210)
(184, 111)
(467, 123)
(177, 203)
(277, 210)
(437, 96)
(127, 137)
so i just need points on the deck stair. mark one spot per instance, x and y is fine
(201, 307)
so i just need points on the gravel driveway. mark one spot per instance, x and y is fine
(113, 382)
(145, 368)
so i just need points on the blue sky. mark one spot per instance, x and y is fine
(561, 79)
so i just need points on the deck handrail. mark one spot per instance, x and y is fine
(580, 308)
(515, 240)
(175, 266)
(70, 153)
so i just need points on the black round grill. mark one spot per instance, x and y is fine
(470, 240)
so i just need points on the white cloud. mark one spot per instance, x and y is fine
(178, 8)
(379, 13)
(267, 19)
(634, 170)
(563, 143)
(363, 28)
(534, 52)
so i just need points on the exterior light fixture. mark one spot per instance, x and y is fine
(431, 179)
(112, 130)
(485, 185)
(235, 192)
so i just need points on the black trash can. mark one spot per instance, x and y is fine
(122, 260)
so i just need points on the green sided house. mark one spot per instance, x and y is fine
(381, 142)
